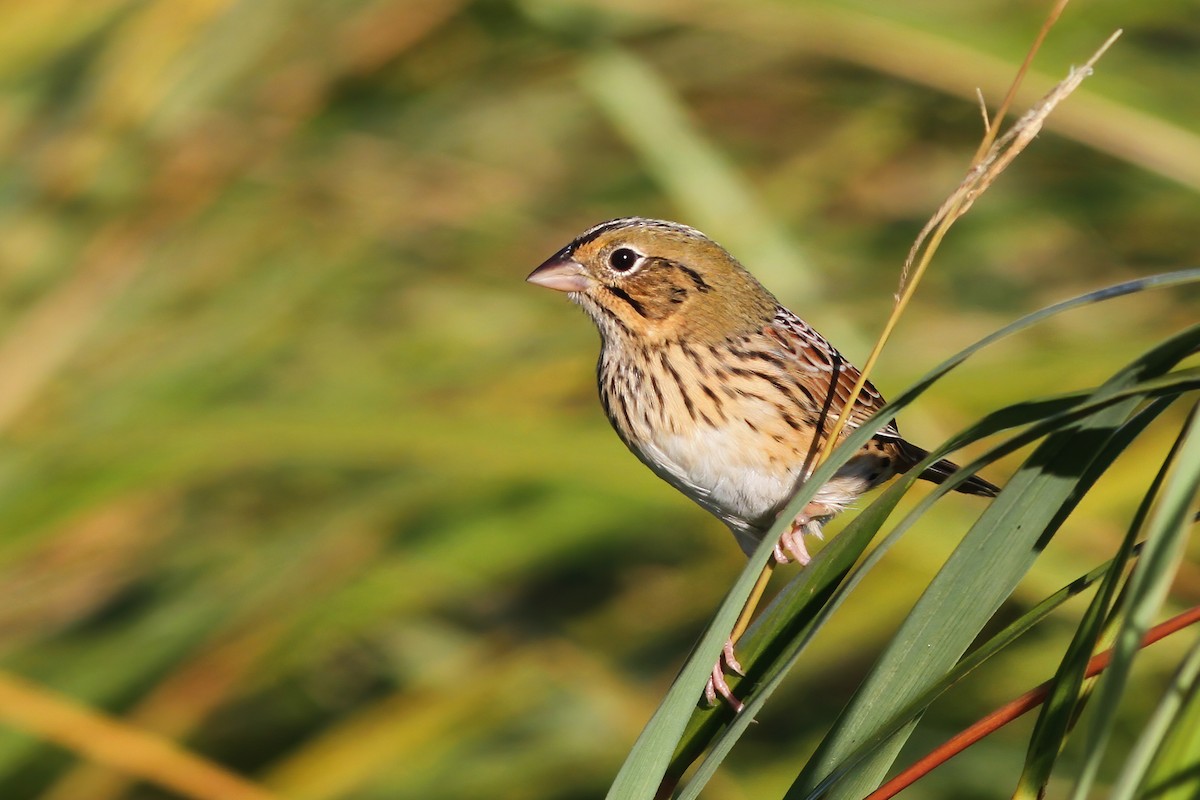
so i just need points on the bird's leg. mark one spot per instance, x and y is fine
(717, 684)
(790, 547)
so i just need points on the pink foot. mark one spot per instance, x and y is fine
(790, 546)
(716, 683)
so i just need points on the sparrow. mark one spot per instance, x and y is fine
(717, 387)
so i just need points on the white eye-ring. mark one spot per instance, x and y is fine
(624, 259)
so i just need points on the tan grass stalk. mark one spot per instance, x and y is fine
(106, 740)
(985, 168)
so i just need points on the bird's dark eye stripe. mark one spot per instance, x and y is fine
(620, 293)
(695, 277)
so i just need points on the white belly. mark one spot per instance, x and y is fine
(724, 470)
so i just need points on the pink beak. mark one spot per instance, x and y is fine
(562, 273)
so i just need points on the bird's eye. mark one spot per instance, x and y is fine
(623, 259)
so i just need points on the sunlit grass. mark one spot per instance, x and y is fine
(291, 458)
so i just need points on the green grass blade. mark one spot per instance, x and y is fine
(777, 623)
(983, 570)
(646, 765)
(859, 437)
(1148, 588)
(773, 644)
(1062, 705)
(1172, 739)
(772, 634)
(956, 605)
(972, 661)
(994, 645)
(1012, 632)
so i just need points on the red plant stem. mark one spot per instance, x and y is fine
(1006, 714)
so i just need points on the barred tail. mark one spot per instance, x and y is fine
(941, 470)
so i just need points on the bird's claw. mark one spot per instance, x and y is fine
(717, 685)
(730, 659)
(790, 546)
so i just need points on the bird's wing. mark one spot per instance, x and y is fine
(833, 377)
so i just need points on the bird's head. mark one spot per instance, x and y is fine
(657, 280)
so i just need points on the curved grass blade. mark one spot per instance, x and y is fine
(771, 624)
(1148, 588)
(1171, 739)
(1067, 694)
(773, 644)
(861, 435)
(776, 622)
(981, 572)
(976, 658)
(644, 768)
(969, 662)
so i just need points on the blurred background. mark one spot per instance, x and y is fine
(297, 471)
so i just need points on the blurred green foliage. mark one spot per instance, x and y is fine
(297, 471)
